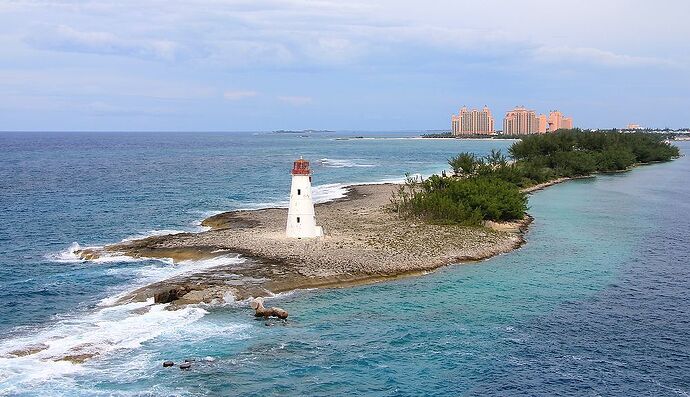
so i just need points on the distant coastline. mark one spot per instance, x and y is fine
(299, 131)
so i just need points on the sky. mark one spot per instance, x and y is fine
(225, 65)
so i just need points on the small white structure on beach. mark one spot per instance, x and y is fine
(301, 222)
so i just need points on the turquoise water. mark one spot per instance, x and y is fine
(593, 304)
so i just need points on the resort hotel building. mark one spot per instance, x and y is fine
(472, 122)
(521, 121)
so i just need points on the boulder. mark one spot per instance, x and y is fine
(260, 311)
(170, 295)
(88, 254)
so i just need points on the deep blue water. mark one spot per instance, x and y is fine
(594, 304)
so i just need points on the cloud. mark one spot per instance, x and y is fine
(296, 100)
(65, 38)
(238, 95)
(99, 108)
(290, 34)
(596, 56)
(83, 82)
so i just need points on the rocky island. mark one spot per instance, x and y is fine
(364, 242)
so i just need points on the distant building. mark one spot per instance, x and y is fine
(521, 121)
(542, 124)
(632, 126)
(472, 122)
(558, 122)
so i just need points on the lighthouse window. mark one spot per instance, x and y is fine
(299, 191)
(298, 219)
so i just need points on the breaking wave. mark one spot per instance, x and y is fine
(343, 163)
(52, 354)
(69, 255)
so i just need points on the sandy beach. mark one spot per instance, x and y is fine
(364, 242)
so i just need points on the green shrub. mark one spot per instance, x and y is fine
(489, 187)
(466, 201)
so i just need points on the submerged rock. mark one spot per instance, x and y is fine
(28, 350)
(168, 364)
(185, 366)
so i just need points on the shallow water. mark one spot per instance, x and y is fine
(594, 303)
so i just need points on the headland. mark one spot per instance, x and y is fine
(365, 242)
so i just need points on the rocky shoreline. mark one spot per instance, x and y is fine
(364, 243)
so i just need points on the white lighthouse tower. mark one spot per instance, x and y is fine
(301, 222)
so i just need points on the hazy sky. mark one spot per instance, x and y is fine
(381, 65)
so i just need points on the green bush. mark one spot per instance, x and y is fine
(489, 188)
(467, 201)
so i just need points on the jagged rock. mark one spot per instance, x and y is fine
(88, 254)
(169, 295)
(206, 295)
(260, 311)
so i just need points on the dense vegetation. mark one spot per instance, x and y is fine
(444, 134)
(489, 188)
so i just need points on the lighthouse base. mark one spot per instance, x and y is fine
(300, 232)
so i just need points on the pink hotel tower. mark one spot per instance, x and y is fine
(472, 122)
(520, 121)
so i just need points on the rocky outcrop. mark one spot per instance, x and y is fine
(170, 295)
(260, 311)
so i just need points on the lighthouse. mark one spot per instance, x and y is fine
(301, 222)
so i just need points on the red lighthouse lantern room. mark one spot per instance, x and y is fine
(301, 167)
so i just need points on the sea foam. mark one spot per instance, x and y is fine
(69, 255)
(95, 334)
(163, 269)
(104, 330)
(343, 163)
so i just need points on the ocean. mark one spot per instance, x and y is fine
(595, 303)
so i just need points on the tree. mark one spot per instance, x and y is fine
(464, 164)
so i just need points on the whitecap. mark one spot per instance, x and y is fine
(107, 330)
(69, 255)
(329, 192)
(163, 269)
(343, 163)
(99, 333)
(153, 233)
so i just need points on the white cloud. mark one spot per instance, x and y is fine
(83, 83)
(99, 108)
(296, 100)
(66, 38)
(596, 56)
(242, 34)
(238, 95)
